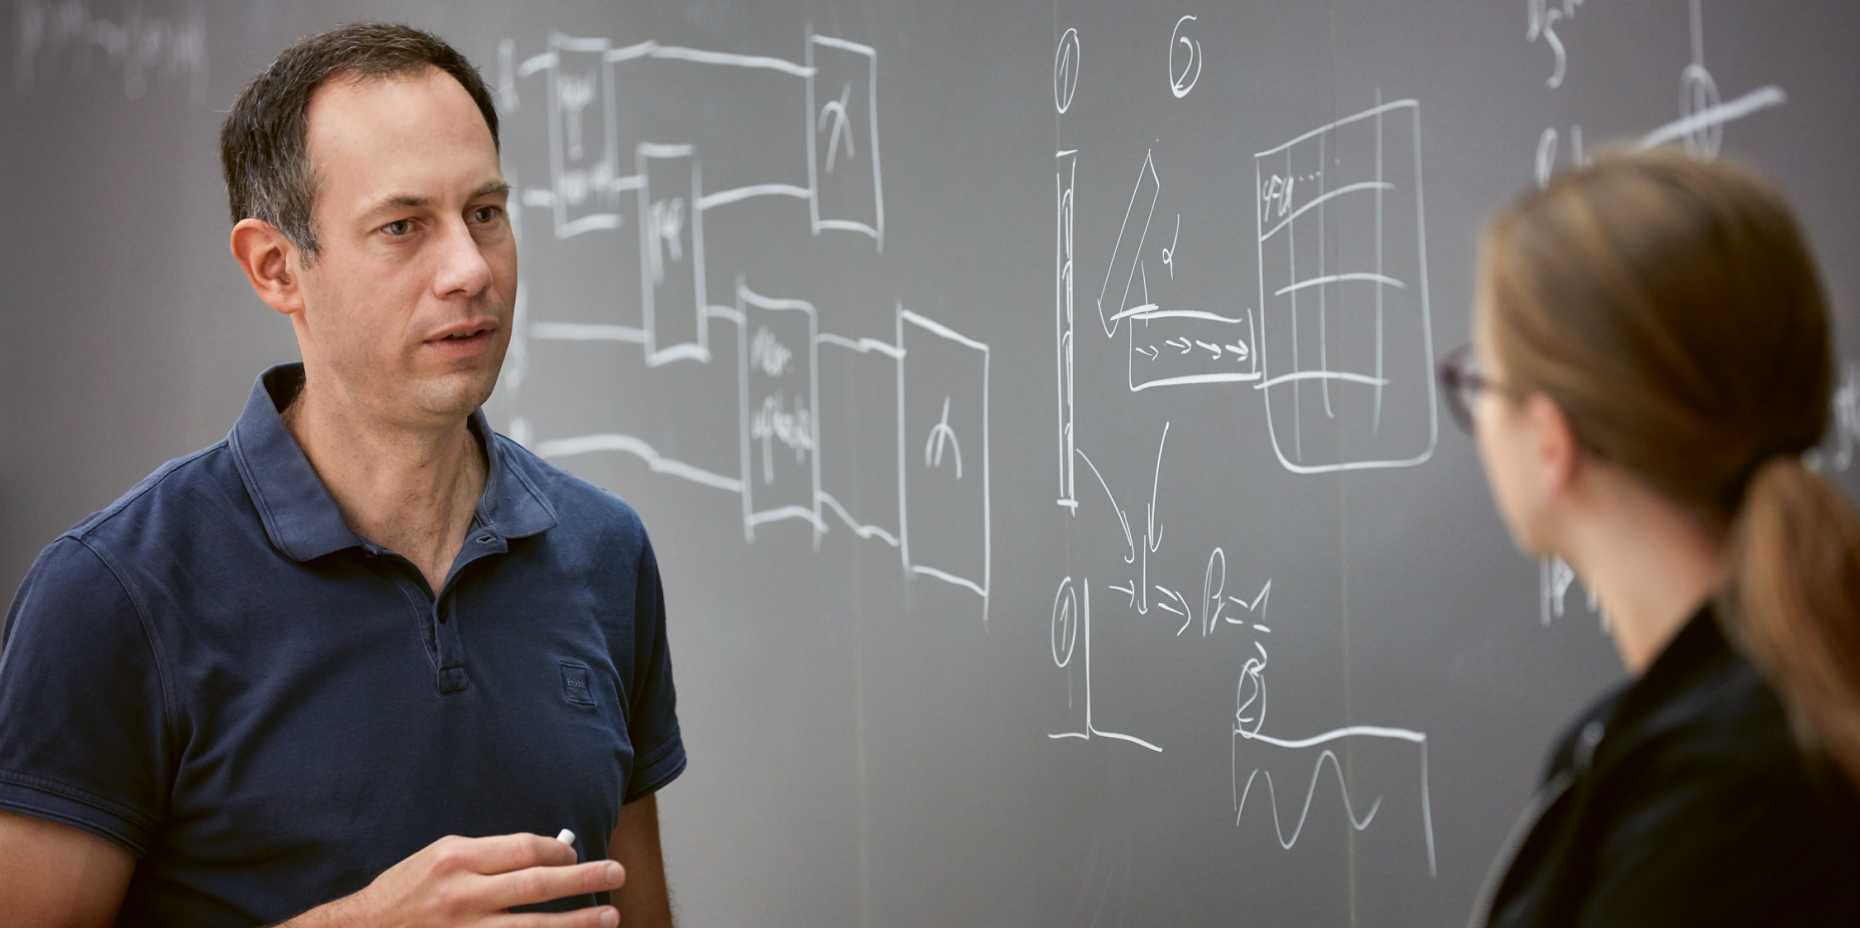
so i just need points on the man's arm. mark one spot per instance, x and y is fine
(84, 728)
(56, 874)
(644, 901)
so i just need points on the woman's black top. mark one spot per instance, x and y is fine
(1682, 799)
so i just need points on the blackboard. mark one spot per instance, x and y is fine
(1031, 404)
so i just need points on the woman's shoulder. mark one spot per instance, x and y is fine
(1702, 801)
(1703, 714)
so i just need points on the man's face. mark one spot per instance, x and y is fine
(415, 247)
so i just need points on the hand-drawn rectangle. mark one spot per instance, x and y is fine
(1345, 338)
(1185, 347)
(779, 393)
(583, 147)
(1065, 182)
(842, 138)
(671, 254)
(943, 454)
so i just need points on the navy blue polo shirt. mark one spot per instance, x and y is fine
(269, 711)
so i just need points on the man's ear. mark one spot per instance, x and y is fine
(269, 259)
(1558, 454)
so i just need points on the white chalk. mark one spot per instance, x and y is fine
(566, 837)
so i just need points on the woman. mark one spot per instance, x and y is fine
(1651, 359)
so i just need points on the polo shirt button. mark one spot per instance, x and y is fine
(484, 539)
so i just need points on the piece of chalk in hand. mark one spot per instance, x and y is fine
(566, 837)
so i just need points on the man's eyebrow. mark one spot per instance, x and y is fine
(490, 188)
(395, 201)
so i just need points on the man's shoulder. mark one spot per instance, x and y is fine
(574, 500)
(164, 505)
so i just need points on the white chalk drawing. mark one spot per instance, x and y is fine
(584, 193)
(1372, 312)
(1255, 753)
(777, 371)
(1543, 17)
(1167, 345)
(1313, 753)
(583, 141)
(948, 479)
(671, 254)
(1263, 753)
(504, 89)
(834, 122)
(1072, 620)
(940, 510)
(1168, 253)
(943, 438)
(842, 90)
(152, 51)
(779, 389)
(1066, 60)
(1184, 58)
(1207, 614)
(1836, 452)
(1554, 581)
(1127, 252)
(941, 524)
(1703, 113)
(1065, 183)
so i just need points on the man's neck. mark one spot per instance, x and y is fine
(410, 490)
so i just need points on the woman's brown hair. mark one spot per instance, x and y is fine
(1672, 310)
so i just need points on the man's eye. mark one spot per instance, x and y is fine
(398, 228)
(487, 214)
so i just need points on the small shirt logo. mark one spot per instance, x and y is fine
(575, 684)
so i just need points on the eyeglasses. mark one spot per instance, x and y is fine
(1459, 376)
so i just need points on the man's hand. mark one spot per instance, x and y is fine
(473, 881)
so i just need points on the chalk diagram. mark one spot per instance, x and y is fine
(1215, 614)
(1347, 330)
(1703, 112)
(600, 182)
(1259, 754)
(1345, 335)
(1207, 613)
(1338, 336)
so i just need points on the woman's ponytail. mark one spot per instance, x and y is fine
(1795, 601)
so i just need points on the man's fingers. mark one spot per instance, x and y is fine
(544, 884)
(595, 917)
(504, 853)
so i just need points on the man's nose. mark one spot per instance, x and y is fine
(463, 271)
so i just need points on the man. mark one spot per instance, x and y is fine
(282, 676)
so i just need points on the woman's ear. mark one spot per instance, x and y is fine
(1554, 447)
(267, 257)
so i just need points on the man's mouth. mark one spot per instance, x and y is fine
(464, 332)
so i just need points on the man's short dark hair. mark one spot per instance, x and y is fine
(264, 140)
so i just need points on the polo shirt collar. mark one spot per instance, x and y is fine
(299, 515)
(511, 506)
